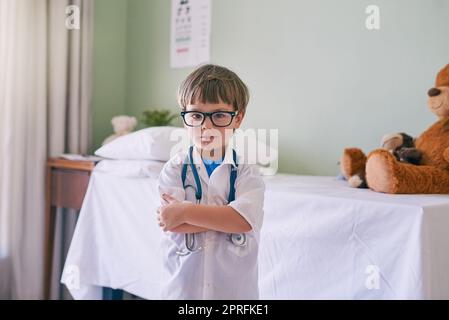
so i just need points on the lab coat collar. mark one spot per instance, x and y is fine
(201, 168)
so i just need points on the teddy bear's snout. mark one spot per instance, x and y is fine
(434, 92)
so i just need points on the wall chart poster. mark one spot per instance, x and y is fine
(190, 32)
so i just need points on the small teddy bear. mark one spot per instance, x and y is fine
(122, 125)
(401, 145)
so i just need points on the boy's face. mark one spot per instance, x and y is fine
(210, 136)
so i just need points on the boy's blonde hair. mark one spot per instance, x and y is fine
(213, 84)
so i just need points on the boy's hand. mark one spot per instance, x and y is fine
(172, 214)
(183, 227)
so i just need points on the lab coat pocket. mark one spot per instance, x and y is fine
(239, 244)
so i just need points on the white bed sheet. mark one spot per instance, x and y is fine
(320, 239)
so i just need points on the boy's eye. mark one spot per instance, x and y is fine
(220, 115)
(196, 116)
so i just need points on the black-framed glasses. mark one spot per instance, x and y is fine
(218, 118)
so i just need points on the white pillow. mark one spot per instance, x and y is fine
(155, 143)
(130, 168)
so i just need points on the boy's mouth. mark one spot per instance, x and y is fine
(207, 139)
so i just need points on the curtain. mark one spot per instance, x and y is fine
(45, 108)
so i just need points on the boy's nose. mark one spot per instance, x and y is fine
(207, 124)
(434, 92)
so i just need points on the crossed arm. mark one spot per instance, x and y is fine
(186, 217)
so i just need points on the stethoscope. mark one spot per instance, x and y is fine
(238, 239)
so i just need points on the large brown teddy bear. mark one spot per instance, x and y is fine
(384, 173)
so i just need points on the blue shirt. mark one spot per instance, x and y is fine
(211, 165)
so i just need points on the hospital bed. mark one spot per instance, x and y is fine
(320, 239)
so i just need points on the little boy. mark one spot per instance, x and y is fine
(212, 205)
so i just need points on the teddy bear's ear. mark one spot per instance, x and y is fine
(443, 77)
(114, 121)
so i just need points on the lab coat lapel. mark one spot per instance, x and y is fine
(198, 161)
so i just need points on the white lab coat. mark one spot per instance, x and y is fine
(220, 270)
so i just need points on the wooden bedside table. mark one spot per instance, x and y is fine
(66, 185)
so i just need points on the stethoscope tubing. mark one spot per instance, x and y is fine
(238, 239)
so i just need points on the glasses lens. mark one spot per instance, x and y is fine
(221, 119)
(193, 119)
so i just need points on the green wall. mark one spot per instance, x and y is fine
(109, 66)
(315, 72)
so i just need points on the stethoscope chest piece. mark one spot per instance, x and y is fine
(238, 239)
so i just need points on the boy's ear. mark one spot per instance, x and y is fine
(239, 118)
